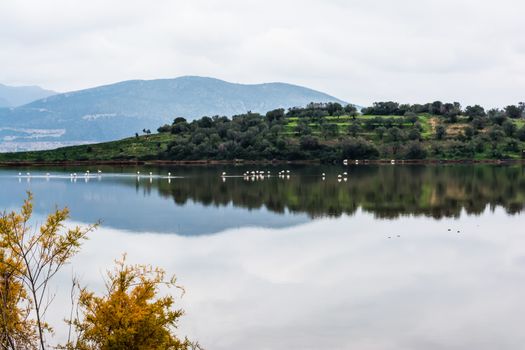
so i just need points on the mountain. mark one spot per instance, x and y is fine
(119, 110)
(14, 96)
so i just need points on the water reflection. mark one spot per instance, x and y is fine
(305, 263)
(340, 283)
(385, 191)
(212, 199)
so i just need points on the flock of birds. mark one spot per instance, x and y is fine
(71, 175)
(248, 175)
(87, 175)
(254, 175)
(285, 174)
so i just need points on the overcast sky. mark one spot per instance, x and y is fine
(361, 51)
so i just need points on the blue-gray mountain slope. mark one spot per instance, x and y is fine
(119, 110)
(14, 96)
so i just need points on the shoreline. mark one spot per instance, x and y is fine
(11, 164)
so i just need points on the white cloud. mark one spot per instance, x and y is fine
(411, 51)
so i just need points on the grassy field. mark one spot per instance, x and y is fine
(143, 147)
(344, 122)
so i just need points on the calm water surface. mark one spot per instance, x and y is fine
(395, 257)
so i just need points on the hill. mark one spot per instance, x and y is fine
(327, 133)
(14, 96)
(118, 110)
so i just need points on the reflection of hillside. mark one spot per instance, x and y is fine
(386, 191)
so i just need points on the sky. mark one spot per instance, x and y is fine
(409, 51)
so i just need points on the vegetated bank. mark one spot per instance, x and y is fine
(319, 132)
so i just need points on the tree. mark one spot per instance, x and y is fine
(475, 111)
(414, 134)
(329, 130)
(513, 111)
(33, 257)
(334, 108)
(275, 116)
(350, 109)
(521, 133)
(164, 128)
(380, 132)
(451, 117)
(395, 134)
(353, 129)
(441, 132)
(477, 123)
(512, 146)
(205, 122)
(497, 116)
(496, 133)
(411, 117)
(415, 150)
(130, 315)
(469, 132)
(383, 108)
(358, 148)
(509, 128)
(436, 108)
(309, 143)
(302, 129)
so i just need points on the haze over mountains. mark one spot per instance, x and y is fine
(14, 96)
(119, 110)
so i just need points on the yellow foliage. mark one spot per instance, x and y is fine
(29, 260)
(130, 315)
(17, 330)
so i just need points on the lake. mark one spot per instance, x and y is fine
(385, 257)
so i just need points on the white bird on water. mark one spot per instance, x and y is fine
(223, 173)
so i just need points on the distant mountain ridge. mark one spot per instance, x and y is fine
(14, 96)
(119, 110)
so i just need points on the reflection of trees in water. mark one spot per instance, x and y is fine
(386, 191)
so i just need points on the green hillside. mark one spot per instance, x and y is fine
(324, 132)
